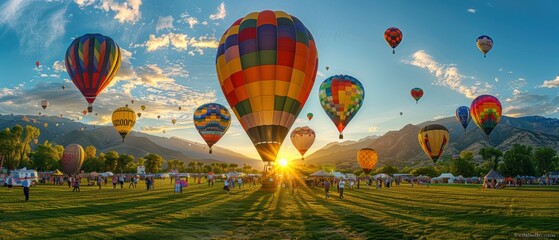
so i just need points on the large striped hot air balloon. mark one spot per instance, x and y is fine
(124, 119)
(486, 112)
(302, 138)
(72, 159)
(433, 139)
(212, 121)
(463, 116)
(367, 159)
(393, 37)
(341, 96)
(92, 61)
(266, 64)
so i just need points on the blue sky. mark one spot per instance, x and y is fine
(169, 52)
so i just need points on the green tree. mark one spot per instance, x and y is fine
(491, 156)
(141, 161)
(543, 159)
(425, 170)
(111, 161)
(173, 164)
(517, 161)
(90, 152)
(154, 163)
(14, 145)
(29, 135)
(233, 166)
(387, 169)
(463, 165)
(125, 163)
(96, 164)
(59, 150)
(46, 157)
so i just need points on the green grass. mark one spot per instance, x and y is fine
(202, 212)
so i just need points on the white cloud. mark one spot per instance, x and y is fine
(439, 117)
(373, 129)
(59, 66)
(320, 74)
(164, 23)
(496, 79)
(447, 75)
(205, 23)
(44, 75)
(471, 10)
(125, 10)
(191, 21)
(518, 83)
(220, 14)
(179, 42)
(551, 83)
(155, 43)
(523, 103)
(84, 3)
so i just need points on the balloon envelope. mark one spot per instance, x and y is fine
(416, 93)
(266, 65)
(486, 112)
(484, 43)
(72, 159)
(433, 140)
(143, 107)
(44, 104)
(123, 120)
(309, 116)
(341, 96)
(303, 138)
(92, 61)
(212, 121)
(463, 116)
(367, 159)
(393, 37)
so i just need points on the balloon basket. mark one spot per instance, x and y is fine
(269, 181)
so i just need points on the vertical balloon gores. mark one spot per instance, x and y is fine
(341, 96)
(302, 138)
(92, 61)
(123, 120)
(72, 159)
(266, 65)
(433, 140)
(212, 121)
(486, 111)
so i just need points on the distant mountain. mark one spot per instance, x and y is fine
(138, 144)
(400, 148)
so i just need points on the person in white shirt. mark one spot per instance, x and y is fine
(341, 186)
(25, 185)
(240, 181)
(226, 186)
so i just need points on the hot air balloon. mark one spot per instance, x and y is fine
(139, 114)
(39, 113)
(212, 121)
(143, 107)
(327, 68)
(367, 159)
(72, 159)
(433, 139)
(57, 124)
(484, 43)
(486, 112)
(463, 116)
(46, 124)
(393, 37)
(92, 61)
(84, 111)
(60, 115)
(302, 138)
(266, 65)
(180, 108)
(126, 105)
(309, 116)
(416, 93)
(44, 104)
(164, 131)
(63, 87)
(174, 121)
(158, 117)
(401, 113)
(123, 120)
(95, 114)
(37, 63)
(341, 96)
(132, 101)
(36, 141)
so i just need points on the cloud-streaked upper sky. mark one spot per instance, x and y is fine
(169, 47)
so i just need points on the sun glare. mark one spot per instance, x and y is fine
(283, 162)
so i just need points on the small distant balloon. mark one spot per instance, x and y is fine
(139, 114)
(132, 101)
(180, 108)
(393, 37)
(309, 116)
(63, 87)
(84, 111)
(484, 43)
(327, 68)
(158, 117)
(143, 107)
(416, 93)
(44, 104)
(46, 124)
(401, 113)
(174, 121)
(38, 64)
(40, 113)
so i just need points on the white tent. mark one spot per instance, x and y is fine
(445, 178)
(381, 175)
(321, 173)
(339, 175)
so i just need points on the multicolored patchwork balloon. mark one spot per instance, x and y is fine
(486, 112)
(416, 93)
(393, 37)
(484, 43)
(433, 139)
(92, 61)
(463, 116)
(72, 159)
(266, 64)
(367, 159)
(302, 138)
(341, 96)
(212, 121)
(309, 116)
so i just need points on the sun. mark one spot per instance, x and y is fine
(283, 162)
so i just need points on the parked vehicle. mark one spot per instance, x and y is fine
(17, 177)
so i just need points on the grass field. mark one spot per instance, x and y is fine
(202, 212)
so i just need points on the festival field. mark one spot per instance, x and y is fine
(202, 212)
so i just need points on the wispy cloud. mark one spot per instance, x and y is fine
(471, 10)
(448, 75)
(59, 66)
(373, 129)
(126, 11)
(551, 83)
(221, 12)
(179, 42)
(518, 83)
(164, 23)
(523, 103)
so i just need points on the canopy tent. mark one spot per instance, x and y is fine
(339, 175)
(94, 174)
(446, 175)
(234, 174)
(493, 175)
(321, 173)
(106, 174)
(57, 173)
(381, 175)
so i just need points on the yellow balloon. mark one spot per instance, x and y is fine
(367, 159)
(46, 124)
(433, 139)
(124, 119)
(174, 121)
(143, 107)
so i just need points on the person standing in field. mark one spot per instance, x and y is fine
(226, 186)
(240, 182)
(25, 184)
(99, 181)
(326, 188)
(115, 179)
(178, 187)
(121, 181)
(341, 186)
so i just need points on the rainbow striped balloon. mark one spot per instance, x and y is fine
(212, 121)
(266, 64)
(486, 112)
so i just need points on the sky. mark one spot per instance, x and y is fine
(168, 60)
